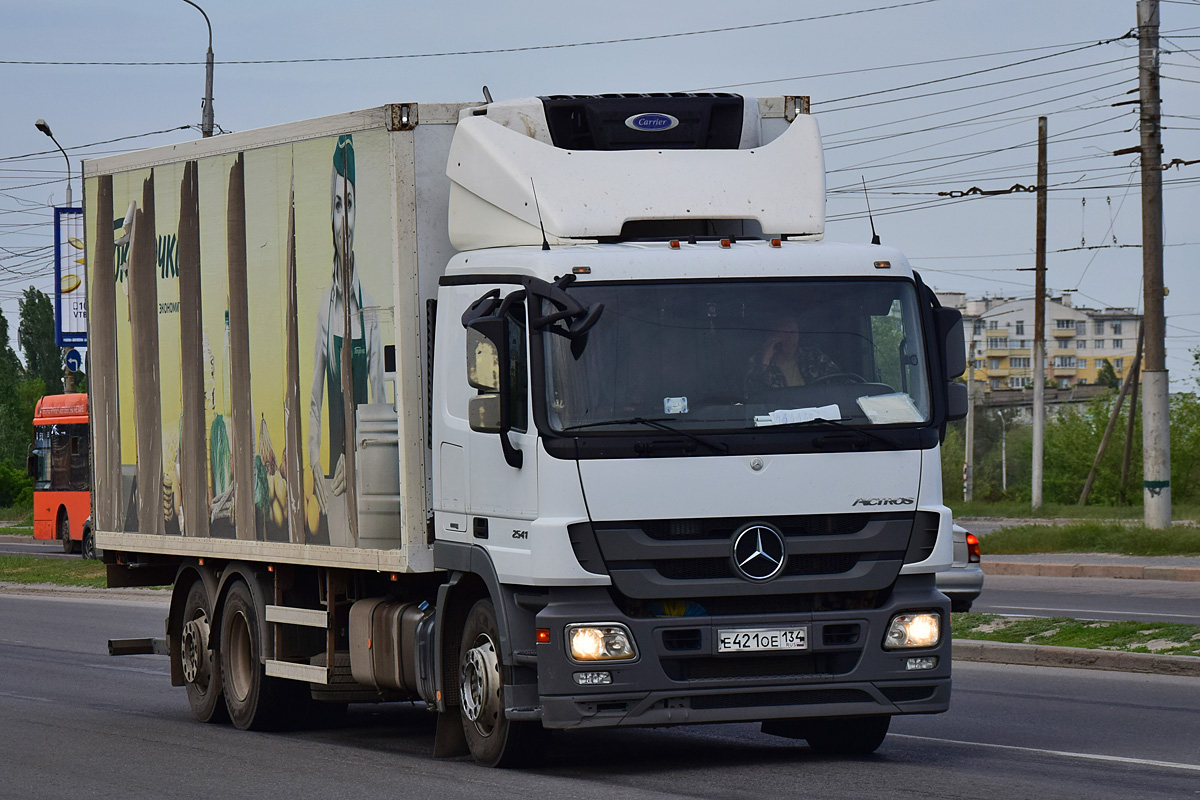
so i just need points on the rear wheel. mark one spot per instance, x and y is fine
(493, 739)
(201, 669)
(847, 735)
(64, 535)
(254, 700)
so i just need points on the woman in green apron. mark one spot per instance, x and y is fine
(366, 351)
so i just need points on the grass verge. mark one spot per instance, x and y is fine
(60, 571)
(16, 530)
(1020, 509)
(1093, 537)
(1129, 637)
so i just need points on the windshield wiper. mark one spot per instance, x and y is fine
(839, 424)
(657, 424)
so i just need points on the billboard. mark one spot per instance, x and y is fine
(70, 278)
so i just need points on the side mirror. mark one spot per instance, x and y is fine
(957, 400)
(31, 467)
(953, 343)
(483, 413)
(483, 362)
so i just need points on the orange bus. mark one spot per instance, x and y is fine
(60, 465)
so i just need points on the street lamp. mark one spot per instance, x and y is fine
(206, 125)
(68, 376)
(1003, 451)
(44, 128)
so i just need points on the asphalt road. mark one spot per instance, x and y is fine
(78, 723)
(1091, 598)
(27, 545)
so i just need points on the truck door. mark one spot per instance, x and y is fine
(483, 499)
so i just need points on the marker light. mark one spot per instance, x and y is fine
(581, 270)
(883, 265)
(600, 643)
(543, 636)
(972, 548)
(726, 243)
(913, 630)
(674, 245)
(776, 243)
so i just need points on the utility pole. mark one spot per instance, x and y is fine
(1156, 430)
(1039, 321)
(969, 455)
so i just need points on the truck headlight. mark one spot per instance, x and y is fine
(913, 630)
(603, 642)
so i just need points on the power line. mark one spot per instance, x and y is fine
(1127, 35)
(489, 51)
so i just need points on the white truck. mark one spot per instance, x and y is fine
(552, 413)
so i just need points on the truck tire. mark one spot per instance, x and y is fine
(201, 666)
(255, 701)
(64, 535)
(493, 739)
(847, 736)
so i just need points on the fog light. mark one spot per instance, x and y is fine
(913, 630)
(600, 643)
(593, 678)
(925, 662)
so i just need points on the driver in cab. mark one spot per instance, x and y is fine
(784, 362)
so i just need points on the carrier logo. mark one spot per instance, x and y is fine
(652, 121)
(883, 501)
(759, 552)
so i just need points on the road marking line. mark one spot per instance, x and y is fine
(1143, 762)
(25, 697)
(131, 669)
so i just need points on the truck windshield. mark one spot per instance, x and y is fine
(735, 355)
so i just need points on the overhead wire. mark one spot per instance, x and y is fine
(488, 51)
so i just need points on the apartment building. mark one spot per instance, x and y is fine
(999, 334)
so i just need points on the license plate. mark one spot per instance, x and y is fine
(746, 640)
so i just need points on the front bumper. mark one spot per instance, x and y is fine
(679, 677)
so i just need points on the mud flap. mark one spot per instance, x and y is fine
(449, 741)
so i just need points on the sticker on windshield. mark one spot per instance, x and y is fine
(675, 405)
(789, 416)
(883, 409)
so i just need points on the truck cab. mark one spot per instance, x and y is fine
(699, 471)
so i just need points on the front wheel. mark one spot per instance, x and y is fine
(88, 548)
(493, 739)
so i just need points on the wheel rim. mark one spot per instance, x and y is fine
(241, 661)
(195, 655)
(480, 685)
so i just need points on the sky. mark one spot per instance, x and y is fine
(923, 99)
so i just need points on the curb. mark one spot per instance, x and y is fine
(84, 592)
(1034, 655)
(1131, 571)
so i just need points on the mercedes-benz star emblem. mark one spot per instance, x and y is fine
(759, 551)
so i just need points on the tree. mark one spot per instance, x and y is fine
(12, 437)
(43, 358)
(1107, 375)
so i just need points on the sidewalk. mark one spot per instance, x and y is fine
(1095, 565)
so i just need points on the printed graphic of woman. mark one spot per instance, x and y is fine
(366, 350)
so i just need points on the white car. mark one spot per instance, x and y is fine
(963, 582)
